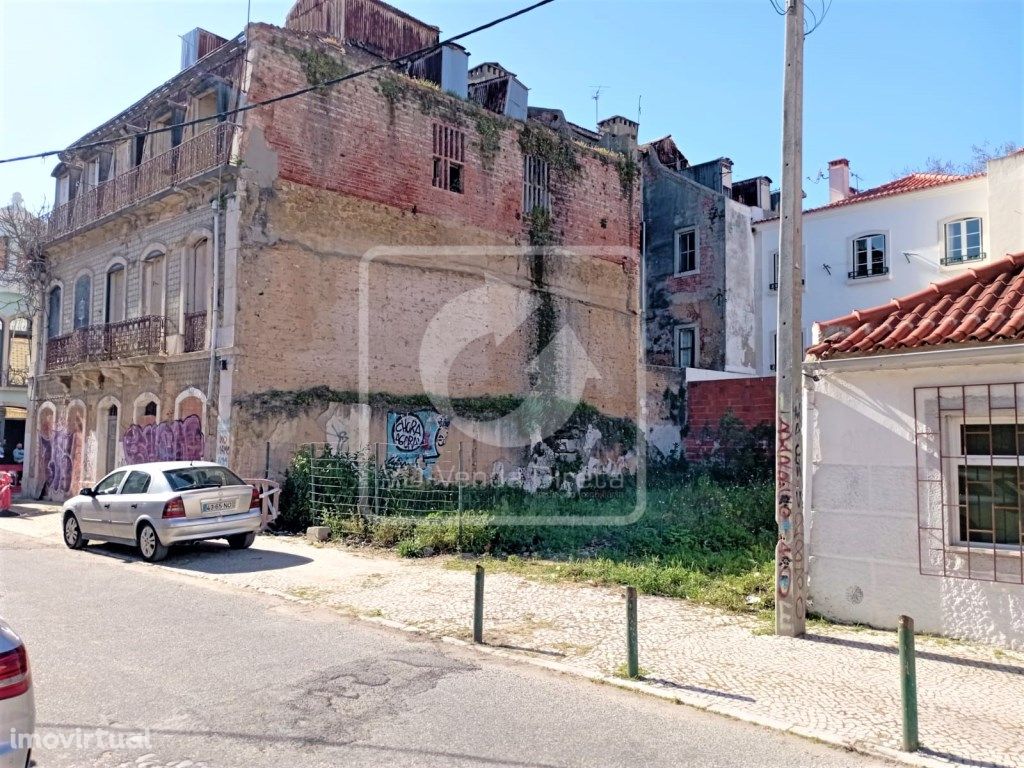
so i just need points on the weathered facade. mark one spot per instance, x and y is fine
(700, 276)
(250, 299)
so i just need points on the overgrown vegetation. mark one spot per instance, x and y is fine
(318, 66)
(628, 170)
(488, 128)
(707, 532)
(556, 150)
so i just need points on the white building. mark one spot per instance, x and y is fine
(864, 248)
(914, 459)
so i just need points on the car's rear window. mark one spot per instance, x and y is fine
(188, 478)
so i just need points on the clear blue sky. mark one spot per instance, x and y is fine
(889, 83)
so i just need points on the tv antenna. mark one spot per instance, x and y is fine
(596, 96)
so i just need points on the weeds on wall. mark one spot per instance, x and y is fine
(318, 66)
(629, 171)
(556, 150)
(488, 129)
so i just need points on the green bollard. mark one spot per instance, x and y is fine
(632, 662)
(908, 684)
(478, 606)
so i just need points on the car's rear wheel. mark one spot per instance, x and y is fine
(149, 544)
(242, 540)
(73, 532)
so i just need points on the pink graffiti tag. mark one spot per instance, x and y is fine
(178, 440)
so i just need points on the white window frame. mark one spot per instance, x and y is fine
(677, 237)
(951, 474)
(947, 260)
(694, 350)
(851, 251)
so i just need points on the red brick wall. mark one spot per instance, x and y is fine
(354, 140)
(751, 400)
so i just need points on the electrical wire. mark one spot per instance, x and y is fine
(398, 61)
(817, 17)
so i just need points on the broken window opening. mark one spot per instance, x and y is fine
(449, 158)
(536, 180)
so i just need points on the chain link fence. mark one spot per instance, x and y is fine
(375, 483)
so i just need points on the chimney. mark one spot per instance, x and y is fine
(619, 134)
(838, 179)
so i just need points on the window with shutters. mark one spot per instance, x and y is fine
(449, 158)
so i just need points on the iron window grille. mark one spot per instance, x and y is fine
(449, 158)
(970, 481)
(536, 181)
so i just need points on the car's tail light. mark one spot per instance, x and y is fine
(254, 501)
(14, 675)
(174, 508)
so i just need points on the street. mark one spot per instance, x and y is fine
(221, 676)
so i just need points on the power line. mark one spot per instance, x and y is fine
(403, 60)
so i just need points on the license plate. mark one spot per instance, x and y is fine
(217, 506)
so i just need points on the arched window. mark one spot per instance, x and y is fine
(153, 284)
(53, 309)
(196, 261)
(115, 294)
(83, 301)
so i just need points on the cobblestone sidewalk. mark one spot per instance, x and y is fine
(838, 684)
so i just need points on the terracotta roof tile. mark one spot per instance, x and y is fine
(983, 304)
(913, 182)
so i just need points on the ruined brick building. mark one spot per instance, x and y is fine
(219, 286)
(701, 284)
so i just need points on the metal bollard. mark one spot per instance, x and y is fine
(632, 661)
(908, 684)
(478, 606)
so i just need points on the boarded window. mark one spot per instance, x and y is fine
(195, 277)
(115, 294)
(536, 193)
(83, 301)
(153, 284)
(449, 158)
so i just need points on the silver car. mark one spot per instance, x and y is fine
(17, 705)
(156, 505)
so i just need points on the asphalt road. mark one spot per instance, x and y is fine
(228, 678)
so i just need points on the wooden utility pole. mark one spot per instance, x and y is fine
(790, 576)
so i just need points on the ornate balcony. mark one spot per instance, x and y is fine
(110, 341)
(200, 154)
(195, 331)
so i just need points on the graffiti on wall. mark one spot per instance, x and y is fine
(177, 440)
(56, 454)
(417, 437)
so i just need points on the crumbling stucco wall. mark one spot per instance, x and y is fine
(673, 202)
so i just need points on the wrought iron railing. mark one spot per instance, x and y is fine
(200, 154)
(949, 261)
(867, 272)
(195, 331)
(110, 341)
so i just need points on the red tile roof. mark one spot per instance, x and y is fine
(984, 304)
(915, 182)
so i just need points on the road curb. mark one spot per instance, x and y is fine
(637, 686)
